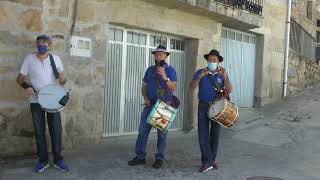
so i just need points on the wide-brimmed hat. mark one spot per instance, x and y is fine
(161, 48)
(215, 53)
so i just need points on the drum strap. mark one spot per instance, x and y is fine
(158, 79)
(217, 88)
(54, 67)
(214, 84)
(174, 99)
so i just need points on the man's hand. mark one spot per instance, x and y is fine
(222, 71)
(194, 83)
(204, 72)
(62, 78)
(29, 92)
(162, 73)
(147, 102)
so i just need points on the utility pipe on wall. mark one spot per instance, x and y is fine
(286, 52)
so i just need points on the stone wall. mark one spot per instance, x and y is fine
(302, 73)
(299, 13)
(270, 53)
(21, 21)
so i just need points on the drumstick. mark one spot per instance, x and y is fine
(43, 94)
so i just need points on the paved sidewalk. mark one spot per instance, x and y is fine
(279, 140)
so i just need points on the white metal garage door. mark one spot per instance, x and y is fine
(239, 52)
(129, 55)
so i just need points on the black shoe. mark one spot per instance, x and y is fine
(136, 161)
(157, 164)
(215, 165)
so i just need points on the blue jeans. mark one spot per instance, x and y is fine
(144, 131)
(208, 132)
(55, 129)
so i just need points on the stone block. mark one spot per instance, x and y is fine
(3, 15)
(83, 78)
(59, 46)
(9, 60)
(94, 102)
(302, 65)
(10, 90)
(3, 123)
(6, 38)
(52, 3)
(35, 3)
(58, 26)
(292, 72)
(31, 20)
(94, 30)
(99, 50)
(86, 11)
(100, 73)
(64, 8)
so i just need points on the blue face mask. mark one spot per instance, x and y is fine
(212, 66)
(42, 49)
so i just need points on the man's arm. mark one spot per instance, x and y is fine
(195, 82)
(144, 94)
(171, 85)
(62, 78)
(227, 84)
(226, 80)
(21, 80)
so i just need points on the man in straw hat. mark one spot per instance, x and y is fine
(159, 82)
(209, 134)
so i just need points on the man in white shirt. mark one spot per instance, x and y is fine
(36, 72)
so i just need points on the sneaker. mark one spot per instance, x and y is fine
(205, 168)
(40, 167)
(157, 164)
(61, 166)
(136, 161)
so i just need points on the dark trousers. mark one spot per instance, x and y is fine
(144, 130)
(55, 129)
(208, 131)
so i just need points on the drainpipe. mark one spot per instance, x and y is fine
(286, 52)
(74, 16)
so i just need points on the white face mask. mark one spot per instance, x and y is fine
(212, 66)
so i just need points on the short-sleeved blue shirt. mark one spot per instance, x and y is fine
(151, 81)
(206, 91)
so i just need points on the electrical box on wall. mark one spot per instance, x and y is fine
(81, 46)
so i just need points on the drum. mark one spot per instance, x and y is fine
(223, 112)
(162, 116)
(53, 98)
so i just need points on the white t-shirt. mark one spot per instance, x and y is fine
(39, 72)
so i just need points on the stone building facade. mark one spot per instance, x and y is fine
(303, 70)
(189, 27)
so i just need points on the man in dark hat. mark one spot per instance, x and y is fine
(205, 79)
(159, 82)
(36, 72)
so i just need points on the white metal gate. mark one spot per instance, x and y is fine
(129, 55)
(239, 52)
